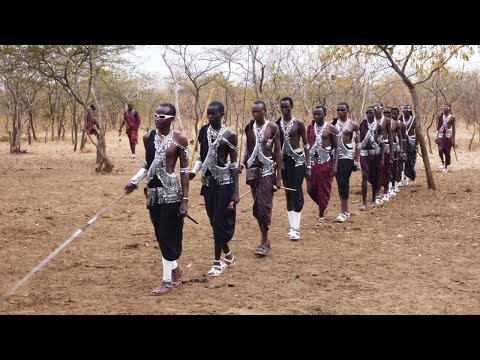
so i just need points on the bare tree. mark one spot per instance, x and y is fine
(71, 67)
(201, 66)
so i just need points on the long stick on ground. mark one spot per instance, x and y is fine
(202, 122)
(243, 195)
(60, 248)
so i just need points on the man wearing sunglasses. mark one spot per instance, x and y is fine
(131, 119)
(262, 160)
(219, 182)
(411, 145)
(386, 142)
(294, 161)
(445, 136)
(167, 197)
(344, 157)
(370, 157)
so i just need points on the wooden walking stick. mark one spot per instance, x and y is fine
(202, 122)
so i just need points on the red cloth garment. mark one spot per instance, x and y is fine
(132, 119)
(91, 127)
(132, 136)
(322, 180)
(321, 176)
(446, 145)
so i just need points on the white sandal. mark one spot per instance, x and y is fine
(229, 262)
(341, 218)
(216, 270)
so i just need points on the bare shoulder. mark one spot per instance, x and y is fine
(146, 136)
(332, 128)
(180, 138)
(273, 126)
(230, 135)
(354, 125)
(300, 122)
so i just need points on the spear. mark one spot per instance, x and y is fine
(60, 248)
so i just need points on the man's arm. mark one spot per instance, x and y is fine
(198, 162)
(123, 122)
(337, 135)
(453, 131)
(243, 164)
(306, 147)
(184, 177)
(277, 155)
(334, 140)
(234, 168)
(390, 137)
(400, 139)
(141, 174)
(356, 131)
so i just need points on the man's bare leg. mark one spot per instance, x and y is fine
(364, 191)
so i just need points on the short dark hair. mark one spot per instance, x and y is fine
(261, 102)
(346, 105)
(395, 109)
(218, 105)
(171, 111)
(321, 107)
(287, 98)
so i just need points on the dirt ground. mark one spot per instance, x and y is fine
(419, 254)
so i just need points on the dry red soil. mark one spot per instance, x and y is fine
(419, 254)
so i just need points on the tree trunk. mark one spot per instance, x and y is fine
(176, 91)
(53, 126)
(28, 128)
(421, 139)
(16, 133)
(197, 115)
(61, 125)
(428, 135)
(32, 126)
(471, 140)
(84, 136)
(254, 75)
(74, 125)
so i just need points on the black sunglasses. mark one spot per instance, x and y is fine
(341, 109)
